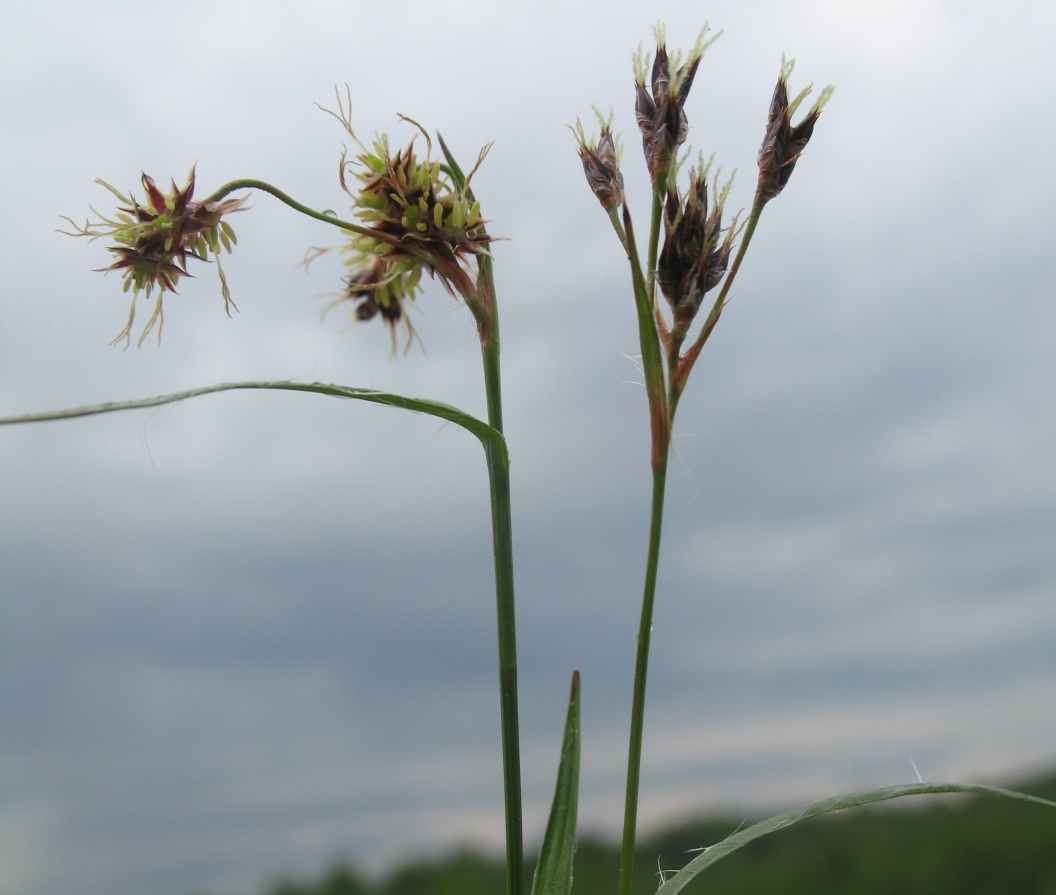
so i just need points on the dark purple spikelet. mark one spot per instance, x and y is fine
(695, 252)
(783, 143)
(660, 109)
(601, 164)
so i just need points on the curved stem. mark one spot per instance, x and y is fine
(492, 440)
(248, 183)
(491, 437)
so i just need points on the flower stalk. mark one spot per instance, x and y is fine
(413, 215)
(693, 260)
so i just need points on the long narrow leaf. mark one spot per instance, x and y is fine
(491, 438)
(553, 873)
(713, 853)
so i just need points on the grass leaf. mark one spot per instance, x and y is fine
(678, 881)
(553, 873)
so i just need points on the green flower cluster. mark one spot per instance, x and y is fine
(417, 219)
(152, 243)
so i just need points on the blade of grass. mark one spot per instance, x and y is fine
(720, 850)
(491, 438)
(553, 873)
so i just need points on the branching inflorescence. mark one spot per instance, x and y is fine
(693, 261)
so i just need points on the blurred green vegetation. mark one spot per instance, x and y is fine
(926, 846)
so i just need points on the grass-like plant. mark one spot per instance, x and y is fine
(414, 213)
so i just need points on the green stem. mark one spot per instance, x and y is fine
(248, 183)
(649, 340)
(502, 544)
(486, 314)
(492, 441)
(657, 216)
(681, 370)
(660, 424)
(720, 302)
(645, 628)
(499, 474)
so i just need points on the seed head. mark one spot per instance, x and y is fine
(154, 241)
(601, 163)
(695, 253)
(419, 221)
(783, 143)
(661, 115)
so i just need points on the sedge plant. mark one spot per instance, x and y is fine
(414, 216)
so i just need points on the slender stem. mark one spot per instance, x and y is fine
(659, 194)
(486, 313)
(248, 183)
(502, 542)
(660, 418)
(645, 627)
(753, 221)
(499, 475)
(680, 373)
(649, 340)
(491, 439)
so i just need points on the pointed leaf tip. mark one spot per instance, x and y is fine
(553, 873)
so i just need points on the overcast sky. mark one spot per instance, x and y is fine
(252, 634)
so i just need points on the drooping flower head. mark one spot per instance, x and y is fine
(419, 221)
(783, 143)
(696, 248)
(661, 113)
(154, 241)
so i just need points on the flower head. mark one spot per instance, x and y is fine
(154, 241)
(695, 253)
(379, 289)
(419, 216)
(660, 113)
(601, 163)
(783, 143)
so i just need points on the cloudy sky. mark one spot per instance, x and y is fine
(252, 634)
